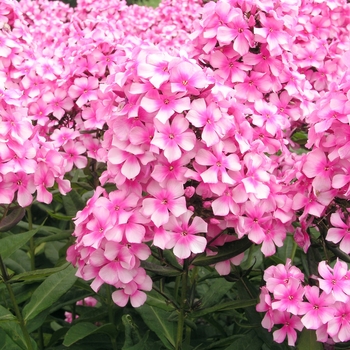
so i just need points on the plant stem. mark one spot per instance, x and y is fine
(20, 319)
(110, 305)
(181, 322)
(31, 241)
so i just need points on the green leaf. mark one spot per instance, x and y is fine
(82, 330)
(160, 270)
(38, 275)
(10, 244)
(142, 345)
(155, 299)
(132, 336)
(49, 291)
(78, 332)
(299, 137)
(156, 320)
(18, 262)
(228, 306)
(12, 219)
(285, 251)
(217, 288)
(307, 340)
(227, 251)
(72, 202)
(250, 341)
(8, 322)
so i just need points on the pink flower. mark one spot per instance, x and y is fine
(165, 199)
(334, 281)
(237, 31)
(339, 326)
(165, 104)
(171, 138)
(288, 297)
(84, 89)
(184, 238)
(291, 323)
(317, 310)
(339, 233)
(218, 164)
(209, 118)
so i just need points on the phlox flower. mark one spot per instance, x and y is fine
(171, 198)
(228, 68)
(281, 274)
(264, 305)
(291, 323)
(187, 77)
(73, 155)
(164, 170)
(20, 183)
(253, 87)
(237, 31)
(288, 297)
(84, 90)
(339, 326)
(209, 118)
(318, 310)
(268, 116)
(184, 238)
(58, 102)
(218, 164)
(334, 280)
(165, 104)
(340, 232)
(133, 290)
(256, 176)
(320, 169)
(44, 178)
(272, 32)
(171, 138)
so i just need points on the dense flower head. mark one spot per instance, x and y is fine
(322, 307)
(194, 116)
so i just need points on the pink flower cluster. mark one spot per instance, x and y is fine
(292, 304)
(192, 113)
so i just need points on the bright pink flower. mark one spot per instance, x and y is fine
(317, 310)
(171, 138)
(187, 77)
(320, 169)
(84, 90)
(165, 199)
(184, 238)
(209, 118)
(237, 31)
(165, 104)
(218, 164)
(291, 323)
(339, 326)
(340, 232)
(334, 281)
(58, 102)
(254, 86)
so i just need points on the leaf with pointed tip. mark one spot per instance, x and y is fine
(227, 251)
(12, 219)
(9, 244)
(49, 291)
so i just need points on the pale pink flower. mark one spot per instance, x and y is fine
(84, 90)
(318, 310)
(164, 200)
(291, 323)
(340, 232)
(173, 138)
(184, 238)
(334, 280)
